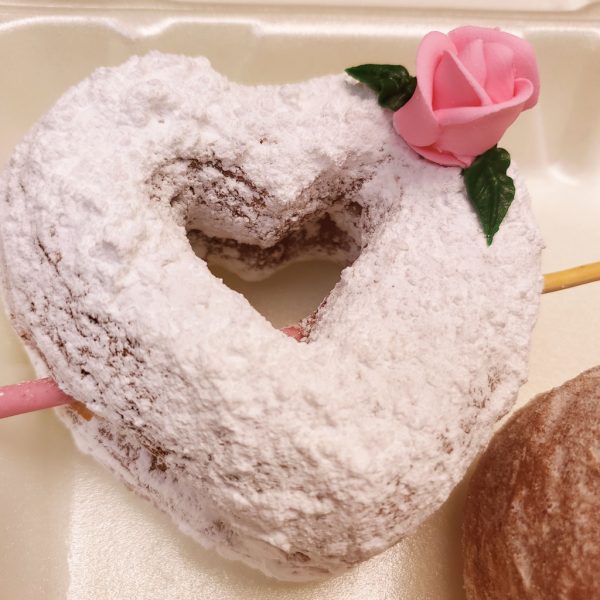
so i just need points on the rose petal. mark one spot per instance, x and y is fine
(456, 116)
(473, 58)
(415, 121)
(447, 159)
(500, 83)
(473, 130)
(430, 52)
(524, 56)
(454, 86)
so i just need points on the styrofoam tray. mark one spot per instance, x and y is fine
(67, 528)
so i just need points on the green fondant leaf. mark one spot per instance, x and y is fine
(393, 83)
(490, 189)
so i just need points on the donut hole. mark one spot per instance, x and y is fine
(288, 295)
(287, 281)
(284, 264)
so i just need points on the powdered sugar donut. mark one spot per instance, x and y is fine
(300, 459)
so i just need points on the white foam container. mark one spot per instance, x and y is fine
(68, 530)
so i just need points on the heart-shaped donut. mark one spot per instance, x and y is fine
(300, 459)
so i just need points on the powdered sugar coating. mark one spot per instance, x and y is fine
(301, 459)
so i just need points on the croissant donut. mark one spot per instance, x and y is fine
(299, 458)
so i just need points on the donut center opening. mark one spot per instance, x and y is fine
(288, 295)
(284, 262)
(285, 282)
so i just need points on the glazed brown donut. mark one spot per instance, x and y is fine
(532, 517)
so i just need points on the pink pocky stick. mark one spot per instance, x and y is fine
(40, 394)
(294, 331)
(30, 396)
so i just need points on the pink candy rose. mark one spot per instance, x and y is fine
(471, 85)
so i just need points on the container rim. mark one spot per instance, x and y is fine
(537, 9)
